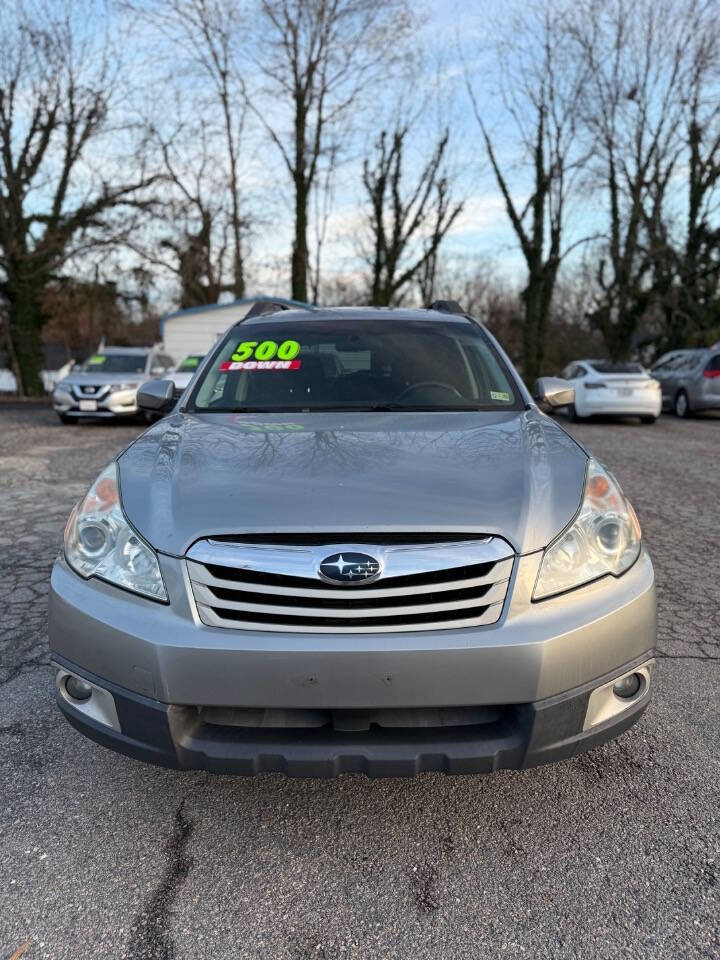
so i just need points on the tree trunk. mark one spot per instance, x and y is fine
(299, 265)
(532, 346)
(26, 322)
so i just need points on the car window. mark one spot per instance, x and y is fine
(356, 363)
(688, 361)
(713, 364)
(665, 364)
(115, 363)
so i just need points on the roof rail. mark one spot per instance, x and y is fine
(262, 307)
(447, 306)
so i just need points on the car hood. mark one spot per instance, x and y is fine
(517, 475)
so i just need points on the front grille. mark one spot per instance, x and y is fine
(90, 391)
(403, 718)
(429, 586)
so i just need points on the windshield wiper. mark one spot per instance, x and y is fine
(386, 407)
(392, 407)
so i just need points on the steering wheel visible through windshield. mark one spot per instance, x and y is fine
(355, 363)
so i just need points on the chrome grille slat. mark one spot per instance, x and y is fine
(200, 574)
(271, 587)
(205, 596)
(209, 617)
(300, 561)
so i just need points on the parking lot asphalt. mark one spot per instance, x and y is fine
(613, 854)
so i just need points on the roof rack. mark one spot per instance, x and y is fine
(262, 307)
(447, 306)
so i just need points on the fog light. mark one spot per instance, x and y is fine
(77, 689)
(628, 686)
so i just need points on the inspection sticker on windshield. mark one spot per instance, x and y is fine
(254, 355)
(500, 395)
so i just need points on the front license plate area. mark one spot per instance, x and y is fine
(88, 406)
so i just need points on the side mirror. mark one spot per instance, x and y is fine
(157, 395)
(555, 391)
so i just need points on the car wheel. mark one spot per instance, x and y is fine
(574, 415)
(64, 418)
(681, 405)
(648, 419)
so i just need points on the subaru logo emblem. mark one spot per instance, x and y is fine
(348, 567)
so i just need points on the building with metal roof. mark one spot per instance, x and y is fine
(195, 329)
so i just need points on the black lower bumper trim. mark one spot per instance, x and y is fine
(524, 736)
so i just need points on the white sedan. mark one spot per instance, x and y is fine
(613, 389)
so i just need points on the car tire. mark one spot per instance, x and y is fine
(64, 418)
(574, 416)
(681, 404)
(650, 419)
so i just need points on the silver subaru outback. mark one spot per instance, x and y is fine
(355, 544)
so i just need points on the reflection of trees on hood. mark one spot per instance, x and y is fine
(198, 447)
(311, 451)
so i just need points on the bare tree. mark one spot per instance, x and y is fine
(206, 37)
(318, 56)
(540, 85)
(407, 221)
(685, 265)
(632, 104)
(322, 208)
(193, 236)
(57, 85)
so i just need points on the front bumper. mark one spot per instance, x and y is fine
(122, 403)
(163, 663)
(517, 737)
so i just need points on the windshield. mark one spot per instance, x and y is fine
(607, 366)
(677, 360)
(115, 363)
(355, 363)
(190, 364)
(689, 360)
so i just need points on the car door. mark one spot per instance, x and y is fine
(667, 374)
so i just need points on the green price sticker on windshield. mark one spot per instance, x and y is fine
(264, 355)
(98, 358)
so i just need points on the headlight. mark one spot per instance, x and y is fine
(604, 538)
(117, 387)
(99, 542)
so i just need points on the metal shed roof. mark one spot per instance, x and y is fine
(210, 307)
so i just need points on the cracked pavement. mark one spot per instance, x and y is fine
(613, 854)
